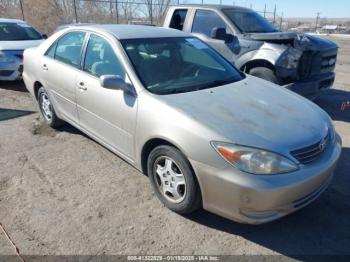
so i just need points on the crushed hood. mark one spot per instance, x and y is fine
(293, 38)
(256, 113)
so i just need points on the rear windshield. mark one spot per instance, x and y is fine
(18, 32)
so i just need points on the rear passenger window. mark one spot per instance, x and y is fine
(100, 58)
(51, 51)
(178, 19)
(205, 20)
(68, 48)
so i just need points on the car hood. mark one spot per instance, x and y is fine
(254, 112)
(294, 38)
(19, 45)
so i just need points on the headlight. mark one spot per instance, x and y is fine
(5, 59)
(253, 160)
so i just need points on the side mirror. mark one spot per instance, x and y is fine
(219, 33)
(115, 82)
(44, 36)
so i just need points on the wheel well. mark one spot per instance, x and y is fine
(37, 86)
(257, 63)
(148, 147)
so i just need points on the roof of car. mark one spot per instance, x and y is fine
(219, 7)
(8, 20)
(134, 31)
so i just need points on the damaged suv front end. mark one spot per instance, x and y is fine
(305, 64)
(302, 63)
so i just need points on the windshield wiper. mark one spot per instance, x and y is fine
(214, 83)
(173, 91)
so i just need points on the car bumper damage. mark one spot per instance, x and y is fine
(256, 199)
(307, 66)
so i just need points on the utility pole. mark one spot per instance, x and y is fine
(22, 11)
(317, 18)
(151, 12)
(274, 15)
(111, 10)
(75, 11)
(116, 11)
(281, 21)
(265, 11)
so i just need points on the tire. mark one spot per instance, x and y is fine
(47, 110)
(264, 73)
(190, 196)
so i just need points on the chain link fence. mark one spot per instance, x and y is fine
(48, 14)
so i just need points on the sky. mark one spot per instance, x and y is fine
(294, 8)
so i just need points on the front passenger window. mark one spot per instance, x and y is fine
(205, 21)
(100, 58)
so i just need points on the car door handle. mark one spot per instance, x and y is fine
(82, 86)
(45, 68)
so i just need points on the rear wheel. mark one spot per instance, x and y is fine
(47, 110)
(173, 180)
(264, 73)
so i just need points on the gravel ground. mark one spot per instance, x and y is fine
(61, 193)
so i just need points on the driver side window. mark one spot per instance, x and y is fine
(100, 58)
(205, 21)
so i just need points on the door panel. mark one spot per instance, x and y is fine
(204, 22)
(61, 89)
(60, 66)
(108, 114)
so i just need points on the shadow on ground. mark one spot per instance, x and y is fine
(6, 114)
(331, 101)
(322, 228)
(13, 85)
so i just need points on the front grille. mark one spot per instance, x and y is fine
(317, 62)
(328, 61)
(6, 72)
(310, 153)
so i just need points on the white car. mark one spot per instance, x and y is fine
(15, 37)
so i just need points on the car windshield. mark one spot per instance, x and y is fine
(249, 22)
(177, 65)
(18, 32)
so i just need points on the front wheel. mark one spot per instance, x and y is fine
(47, 110)
(173, 180)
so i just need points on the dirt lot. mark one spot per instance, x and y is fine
(62, 193)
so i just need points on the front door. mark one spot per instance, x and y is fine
(204, 22)
(108, 114)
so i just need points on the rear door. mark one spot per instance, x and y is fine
(107, 114)
(60, 66)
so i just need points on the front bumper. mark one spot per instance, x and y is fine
(312, 86)
(255, 199)
(11, 71)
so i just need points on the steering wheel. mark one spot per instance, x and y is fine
(191, 68)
